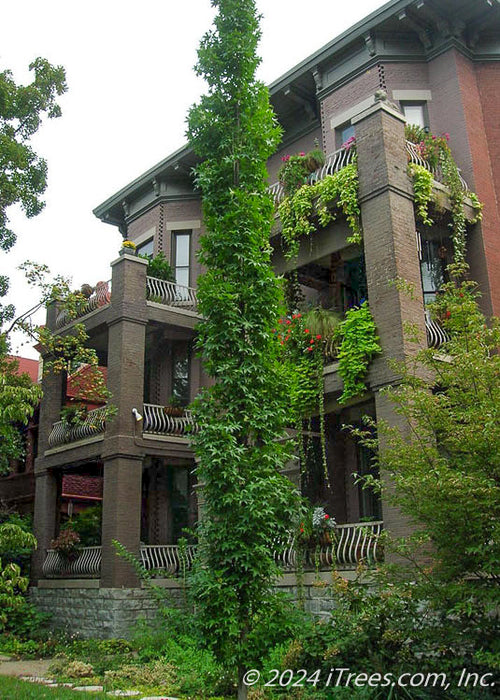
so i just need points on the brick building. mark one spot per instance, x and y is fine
(437, 61)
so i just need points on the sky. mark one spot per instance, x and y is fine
(129, 68)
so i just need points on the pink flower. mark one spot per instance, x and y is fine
(302, 153)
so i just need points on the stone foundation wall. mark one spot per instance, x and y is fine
(83, 608)
(93, 612)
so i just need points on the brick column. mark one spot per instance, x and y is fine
(387, 213)
(121, 519)
(54, 394)
(47, 491)
(47, 483)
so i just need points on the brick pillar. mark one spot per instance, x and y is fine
(387, 213)
(47, 490)
(47, 483)
(121, 519)
(54, 394)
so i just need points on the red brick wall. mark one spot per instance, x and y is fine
(480, 97)
(447, 114)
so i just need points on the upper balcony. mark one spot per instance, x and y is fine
(166, 301)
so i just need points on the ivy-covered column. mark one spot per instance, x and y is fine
(389, 239)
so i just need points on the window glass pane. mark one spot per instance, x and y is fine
(182, 249)
(414, 114)
(182, 276)
(146, 248)
(432, 267)
(180, 375)
(347, 132)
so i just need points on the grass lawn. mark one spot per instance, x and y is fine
(13, 689)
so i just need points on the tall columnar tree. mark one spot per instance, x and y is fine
(248, 504)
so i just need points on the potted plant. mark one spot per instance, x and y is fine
(66, 545)
(73, 415)
(175, 407)
(128, 247)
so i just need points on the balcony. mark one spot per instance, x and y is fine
(353, 543)
(63, 433)
(171, 294)
(436, 336)
(167, 421)
(333, 163)
(414, 156)
(100, 296)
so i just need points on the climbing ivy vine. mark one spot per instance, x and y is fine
(437, 153)
(359, 343)
(337, 193)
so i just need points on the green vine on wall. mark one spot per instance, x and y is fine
(359, 343)
(436, 152)
(325, 198)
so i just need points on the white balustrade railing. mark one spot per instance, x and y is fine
(436, 336)
(285, 554)
(333, 163)
(167, 559)
(161, 420)
(351, 544)
(93, 424)
(331, 349)
(101, 296)
(415, 156)
(171, 294)
(85, 564)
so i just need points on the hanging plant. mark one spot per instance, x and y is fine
(296, 169)
(437, 154)
(359, 343)
(325, 198)
(303, 348)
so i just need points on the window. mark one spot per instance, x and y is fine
(180, 373)
(145, 248)
(344, 133)
(433, 266)
(416, 113)
(181, 256)
(370, 506)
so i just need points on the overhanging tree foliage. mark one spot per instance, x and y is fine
(23, 174)
(445, 467)
(23, 179)
(248, 504)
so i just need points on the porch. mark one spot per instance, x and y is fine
(352, 544)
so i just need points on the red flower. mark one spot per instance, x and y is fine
(288, 322)
(280, 320)
(326, 516)
(312, 341)
(306, 330)
(318, 337)
(309, 349)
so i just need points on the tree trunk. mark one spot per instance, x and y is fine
(242, 688)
